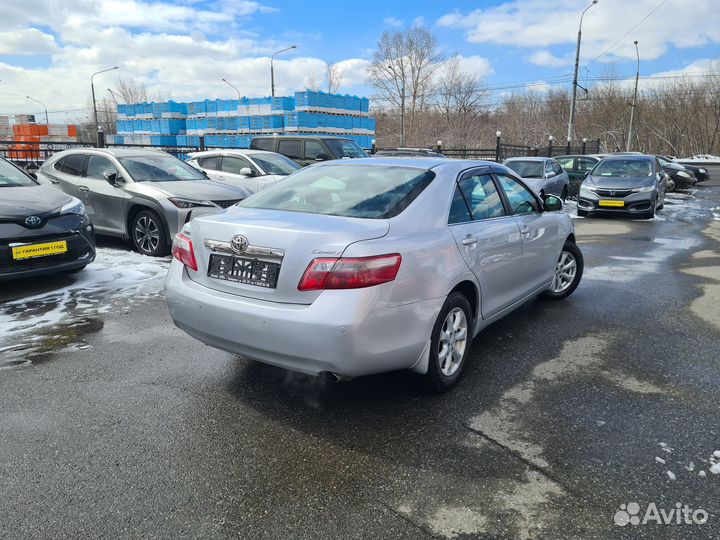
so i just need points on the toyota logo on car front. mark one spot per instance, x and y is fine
(33, 221)
(239, 243)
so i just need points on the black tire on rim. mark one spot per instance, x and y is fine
(568, 272)
(564, 194)
(148, 234)
(450, 343)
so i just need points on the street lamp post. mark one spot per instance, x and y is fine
(116, 97)
(634, 102)
(272, 69)
(571, 122)
(92, 90)
(231, 85)
(44, 106)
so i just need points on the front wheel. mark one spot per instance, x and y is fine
(564, 195)
(568, 272)
(450, 343)
(148, 234)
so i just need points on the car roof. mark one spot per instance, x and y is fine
(238, 151)
(594, 156)
(528, 158)
(629, 157)
(419, 162)
(300, 137)
(115, 152)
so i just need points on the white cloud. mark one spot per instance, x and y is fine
(546, 58)
(26, 41)
(542, 23)
(475, 65)
(419, 21)
(393, 21)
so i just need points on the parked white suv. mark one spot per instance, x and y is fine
(251, 169)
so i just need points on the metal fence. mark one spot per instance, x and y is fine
(503, 151)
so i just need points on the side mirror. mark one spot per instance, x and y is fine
(245, 171)
(321, 157)
(550, 174)
(552, 203)
(112, 178)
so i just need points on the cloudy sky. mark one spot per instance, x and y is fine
(182, 49)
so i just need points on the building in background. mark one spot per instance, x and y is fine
(233, 122)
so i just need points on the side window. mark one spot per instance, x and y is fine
(312, 149)
(74, 164)
(521, 199)
(290, 148)
(557, 168)
(475, 198)
(567, 163)
(585, 164)
(97, 166)
(548, 167)
(262, 144)
(211, 163)
(233, 165)
(58, 165)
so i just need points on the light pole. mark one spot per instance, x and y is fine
(402, 105)
(92, 89)
(571, 122)
(45, 107)
(272, 69)
(116, 97)
(634, 103)
(231, 85)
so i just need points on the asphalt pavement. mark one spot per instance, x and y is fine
(115, 424)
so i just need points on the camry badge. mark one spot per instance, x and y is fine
(239, 243)
(33, 221)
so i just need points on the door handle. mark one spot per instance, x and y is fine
(525, 230)
(470, 240)
(54, 181)
(83, 188)
(220, 177)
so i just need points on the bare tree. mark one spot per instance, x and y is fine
(404, 63)
(312, 82)
(460, 99)
(334, 76)
(131, 91)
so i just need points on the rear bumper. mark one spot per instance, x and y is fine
(350, 332)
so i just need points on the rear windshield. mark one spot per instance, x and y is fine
(159, 169)
(345, 190)
(11, 176)
(345, 148)
(527, 169)
(623, 168)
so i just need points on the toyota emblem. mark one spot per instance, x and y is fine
(33, 221)
(239, 243)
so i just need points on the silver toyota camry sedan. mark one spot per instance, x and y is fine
(352, 268)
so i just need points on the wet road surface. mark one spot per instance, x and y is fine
(115, 424)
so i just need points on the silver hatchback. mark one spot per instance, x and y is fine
(142, 195)
(352, 268)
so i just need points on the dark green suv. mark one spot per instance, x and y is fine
(308, 149)
(577, 168)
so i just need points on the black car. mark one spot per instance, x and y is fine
(308, 149)
(680, 176)
(700, 173)
(42, 229)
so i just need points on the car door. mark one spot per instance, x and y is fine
(66, 172)
(539, 233)
(211, 166)
(232, 166)
(561, 179)
(488, 238)
(314, 151)
(104, 202)
(292, 148)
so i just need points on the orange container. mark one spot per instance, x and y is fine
(72, 131)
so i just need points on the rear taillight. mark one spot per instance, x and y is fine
(182, 250)
(349, 272)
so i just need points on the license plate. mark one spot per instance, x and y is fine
(39, 250)
(612, 203)
(244, 270)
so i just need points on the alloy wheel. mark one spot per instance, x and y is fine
(565, 271)
(147, 234)
(452, 342)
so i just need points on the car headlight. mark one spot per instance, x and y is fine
(583, 187)
(187, 203)
(684, 174)
(702, 171)
(644, 189)
(75, 206)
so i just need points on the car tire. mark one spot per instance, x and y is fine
(564, 195)
(561, 288)
(448, 352)
(582, 213)
(660, 204)
(650, 214)
(147, 233)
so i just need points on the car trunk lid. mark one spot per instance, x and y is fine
(290, 239)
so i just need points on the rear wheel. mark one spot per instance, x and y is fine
(148, 234)
(568, 272)
(450, 343)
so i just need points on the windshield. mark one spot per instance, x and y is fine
(11, 176)
(159, 168)
(623, 168)
(527, 169)
(275, 163)
(345, 190)
(345, 148)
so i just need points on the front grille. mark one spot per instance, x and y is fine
(77, 248)
(227, 204)
(614, 192)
